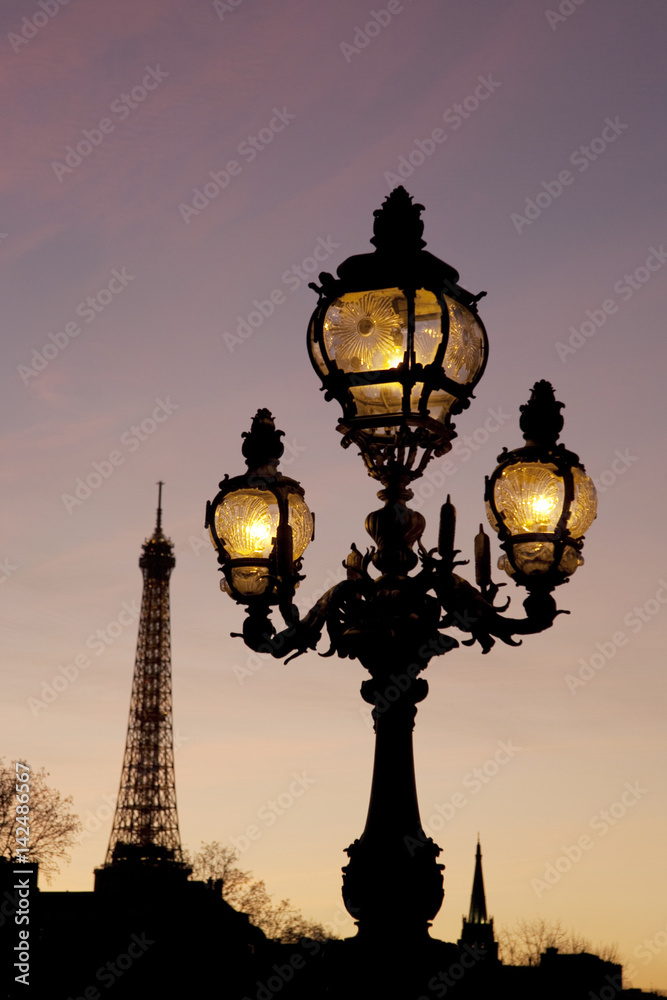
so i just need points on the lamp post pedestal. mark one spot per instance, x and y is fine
(392, 885)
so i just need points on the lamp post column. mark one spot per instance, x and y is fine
(392, 885)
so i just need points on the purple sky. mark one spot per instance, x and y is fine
(570, 108)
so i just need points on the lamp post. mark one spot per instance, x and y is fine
(399, 344)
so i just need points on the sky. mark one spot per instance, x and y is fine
(167, 167)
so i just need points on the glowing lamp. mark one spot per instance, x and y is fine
(397, 341)
(259, 523)
(540, 500)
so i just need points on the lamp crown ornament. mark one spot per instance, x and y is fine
(262, 447)
(398, 225)
(541, 420)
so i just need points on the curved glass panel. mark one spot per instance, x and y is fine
(301, 522)
(439, 404)
(317, 356)
(490, 515)
(428, 326)
(585, 504)
(464, 356)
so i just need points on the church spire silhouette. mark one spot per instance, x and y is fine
(477, 914)
(477, 930)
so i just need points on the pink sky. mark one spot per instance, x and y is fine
(349, 118)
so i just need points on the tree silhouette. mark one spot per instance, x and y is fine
(280, 921)
(523, 943)
(52, 822)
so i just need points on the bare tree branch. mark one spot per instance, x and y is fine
(280, 921)
(527, 940)
(51, 819)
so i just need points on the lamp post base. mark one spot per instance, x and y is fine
(392, 968)
(392, 885)
(393, 888)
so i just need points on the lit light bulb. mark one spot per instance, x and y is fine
(542, 508)
(543, 505)
(259, 535)
(394, 358)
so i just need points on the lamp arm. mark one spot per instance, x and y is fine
(467, 608)
(463, 606)
(304, 633)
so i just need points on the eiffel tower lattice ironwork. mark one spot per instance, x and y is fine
(145, 826)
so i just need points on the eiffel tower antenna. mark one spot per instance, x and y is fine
(158, 526)
(145, 827)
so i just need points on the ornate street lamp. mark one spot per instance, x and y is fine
(398, 342)
(540, 500)
(260, 526)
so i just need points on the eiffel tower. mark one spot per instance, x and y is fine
(145, 832)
